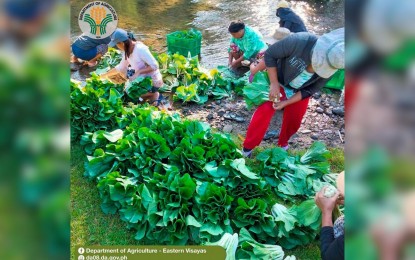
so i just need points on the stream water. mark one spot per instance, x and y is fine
(151, 20)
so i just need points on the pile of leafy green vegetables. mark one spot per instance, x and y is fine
(187, 34)
(192, 83)
(175, 181)
(186, 78)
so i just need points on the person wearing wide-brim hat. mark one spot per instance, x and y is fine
(298, 66)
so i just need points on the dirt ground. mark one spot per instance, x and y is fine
(319, 123)
(324, 120)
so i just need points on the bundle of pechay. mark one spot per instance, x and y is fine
(174, 181)
(186, 78)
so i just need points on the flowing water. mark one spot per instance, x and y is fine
(151, 20)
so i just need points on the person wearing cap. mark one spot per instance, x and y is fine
(298, 66)
(137, 61)
(246, 44)
(331, 235)
(89, 49)
(289, 19)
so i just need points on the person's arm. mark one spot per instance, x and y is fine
(232, 41)
(238, 60)
(302, 94)
(278, 50)
(313, 88)
(123, 65)
(274, 88)
(280, 105)
(287, 24)
(230, 59)
(147, 57)
(331, 248)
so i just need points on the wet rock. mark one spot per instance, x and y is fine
(328, 112)
(227, 128)
(339, 111)
(221, 112)
(229, 116)
(239, 119)
(75, 66)
(315, 136)
(210, 106)
(210, 117)
(319, 110)
(271, 134)
(306, 131)
(317, 95)
(218, 102)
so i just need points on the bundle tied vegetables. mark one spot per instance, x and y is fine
(329, 191)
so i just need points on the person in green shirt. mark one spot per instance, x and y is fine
(246, 44)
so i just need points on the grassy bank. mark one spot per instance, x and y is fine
(90, 226)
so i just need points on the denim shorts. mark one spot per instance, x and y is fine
(85, 55)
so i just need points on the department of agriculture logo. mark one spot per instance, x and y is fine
(98, 20)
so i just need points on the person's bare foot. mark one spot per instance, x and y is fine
(92, 64)
(74, 60)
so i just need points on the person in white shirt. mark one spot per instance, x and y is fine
(137, 61)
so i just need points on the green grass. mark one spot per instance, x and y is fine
(90, 226)
(308, 252)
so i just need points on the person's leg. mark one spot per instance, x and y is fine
(85, 55)
(235, 56)
(291, 121)
(74, 59)
(258, 125)
(93, 62)
(151, 96)
(100, 51)
(154, 97)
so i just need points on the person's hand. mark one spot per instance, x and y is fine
(106, 74)
(279, 105)
(340, 199)
(326, 205)
(274, 92)
(234, 64)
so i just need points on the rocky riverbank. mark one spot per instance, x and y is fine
(324, 120)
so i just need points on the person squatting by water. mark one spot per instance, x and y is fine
(137, 61)
(246, 44)
(289, 19)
